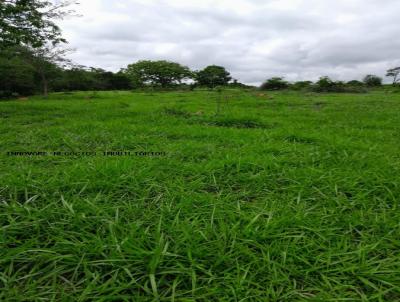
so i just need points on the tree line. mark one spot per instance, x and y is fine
(33, 60)
(326, 84)
(24, 71)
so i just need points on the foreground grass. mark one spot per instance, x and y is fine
(281, 197)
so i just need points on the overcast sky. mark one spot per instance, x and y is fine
(253, 39)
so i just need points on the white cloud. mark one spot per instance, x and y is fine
(254, 39)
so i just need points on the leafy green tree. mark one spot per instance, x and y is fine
(120, 81)
(372, 80)
(300, 85)
(395, 74)
(157, 73)
(28, 31)
(107, 80)
(325, 84)
(45, 60)
(101, 78)
(16, 77)
(236, 84)
(212, 76)
(31, 22)
(275, 83)
(85, 79)
(78, 78)
(355, 83)
(25, 71)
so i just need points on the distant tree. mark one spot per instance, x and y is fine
(45, 61)
(157, 73)
(301, 85)
(236, 84)
(78, 78)
(107, 80)
(372, 80)
(16, 77)
(101, 79)
(25, 71)
(355, 83)
(120, 81)
(395, 73)
(212, 76)
(31, 22)
(275, 83)
(85, 78)
(325, 84)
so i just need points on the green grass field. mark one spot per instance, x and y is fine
(280, 197)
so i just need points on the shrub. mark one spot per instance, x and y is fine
(301, 85)
(236, 84)
(355, 86)
(372, 80)
(275, 83)
(355, 83)
(325, 84)
(356, 89)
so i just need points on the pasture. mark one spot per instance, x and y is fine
(281, 196)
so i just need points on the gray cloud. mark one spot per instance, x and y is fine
(254, 39)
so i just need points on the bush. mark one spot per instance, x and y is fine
(236, 84)
(301, 85)
(355, 86)
(325, 84)
(372, 80)
(355, 83)
(356, 89)
(275, 83)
